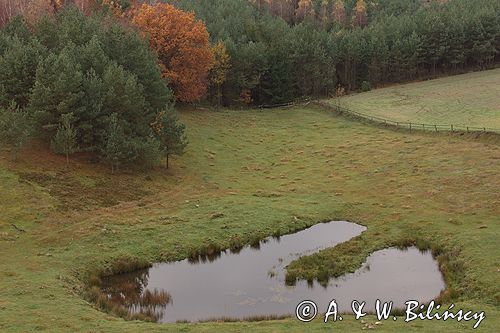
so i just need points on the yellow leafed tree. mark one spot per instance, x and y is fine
(360, 18)
(324, 15)
(339, 14)
(220, 68)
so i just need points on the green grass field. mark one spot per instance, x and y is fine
(465, 100)
(266, 171)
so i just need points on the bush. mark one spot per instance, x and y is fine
(366, 86)
(148, 152)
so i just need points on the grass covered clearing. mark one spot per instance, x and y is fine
(467, 100)
(272, 171)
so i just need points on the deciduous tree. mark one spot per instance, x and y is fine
(304, 10)
(220, 68)
(183, 47)
(360, 18)
(339, 13)
(324, 14)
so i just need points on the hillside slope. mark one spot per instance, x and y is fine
(467, 100)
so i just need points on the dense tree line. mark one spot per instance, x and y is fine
(281, 50)
(277, 50)
(341, 12)
(86, 83)
(446, 38)
(255, 52)
(271, 61)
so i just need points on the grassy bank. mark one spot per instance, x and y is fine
(259, 173)
(465, 100)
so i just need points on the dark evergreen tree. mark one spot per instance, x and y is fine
(16, 128)
(18, 63)
(170, 133)
(116, 149)
(65, 140)
(57, 90)
(90, 66)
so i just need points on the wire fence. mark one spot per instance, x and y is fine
(272, 106)
(411, 126)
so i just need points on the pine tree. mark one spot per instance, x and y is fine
(170, 133)
(57, 89)
(92, 56)
(64, 142)
(278, 83)
(379, 60)
(314, 69)
(131, 52)
(16, 128)
(18, 65)
(93, 120)
(115, 149)
(123, 95)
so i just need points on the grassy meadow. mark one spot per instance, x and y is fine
(466, 100)
(259, 173)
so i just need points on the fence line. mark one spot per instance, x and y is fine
(411, 126)
(271, 106)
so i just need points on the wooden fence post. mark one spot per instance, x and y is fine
(452, 127)
(436, 128)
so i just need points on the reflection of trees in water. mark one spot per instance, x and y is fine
(129, 291)
(205, 257)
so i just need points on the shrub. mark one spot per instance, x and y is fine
(366, 86)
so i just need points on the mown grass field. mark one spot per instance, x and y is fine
(465, 100)
(266, 171)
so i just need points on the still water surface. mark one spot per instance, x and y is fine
(252, 282)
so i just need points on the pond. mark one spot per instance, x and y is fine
(251, 282)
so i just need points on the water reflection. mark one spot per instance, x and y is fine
(130, 291)
(251, 282)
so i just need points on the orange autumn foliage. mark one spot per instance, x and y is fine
(183, 47)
